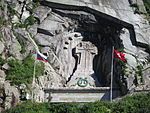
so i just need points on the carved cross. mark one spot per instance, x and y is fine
(86, 52)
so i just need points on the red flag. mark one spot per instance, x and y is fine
(120, 55)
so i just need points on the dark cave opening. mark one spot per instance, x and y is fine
(103, 35)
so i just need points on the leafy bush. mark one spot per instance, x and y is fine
(139, 103)
(22, 72)
(29, 107)
(2, 61)
(96, 107)
(147, 6)
(64, 108)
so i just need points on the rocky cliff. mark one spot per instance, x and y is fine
(60, 30)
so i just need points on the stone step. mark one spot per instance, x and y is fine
(77, 95)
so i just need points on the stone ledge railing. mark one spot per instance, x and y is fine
(67, 94)
(76, 90)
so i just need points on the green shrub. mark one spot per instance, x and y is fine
(64, 108)
(147, 6)
(2, 61)
(22, 72)
(29, 107)
(139, 103)
(96, 107)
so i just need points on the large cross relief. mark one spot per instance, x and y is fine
(85, 52)
(84, 74)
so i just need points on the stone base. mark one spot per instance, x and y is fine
(77, 95)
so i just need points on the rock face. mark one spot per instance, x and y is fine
(9, 95)
(2, 47)
(12, 95)
(77, 36)
(91, 27)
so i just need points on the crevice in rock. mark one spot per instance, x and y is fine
(43, 31)
(75, 67)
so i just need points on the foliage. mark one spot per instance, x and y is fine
(139, 72)
(64, 108)
(28, 22)
(138, 103)
(34, 5)
(135, 5)
(147, 6)
(2, 21)
(2, 61)
(12, 12)
(22, 72)
(29, 107)
(96, 107)
(136, 8)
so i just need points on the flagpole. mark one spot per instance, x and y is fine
(33, 82)
(111, 83)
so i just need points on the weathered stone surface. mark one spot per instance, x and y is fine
(2, 77)
(115, 8)
(146, 77)
(2, 96)
(43, 40)
(45, 50)
(50, 79)
(1, 47)
(6, 66)
(12, 95)
(15, 49)
(53, 25)
(41, 12)
(76, 94)
(85, 52)
(33, 30)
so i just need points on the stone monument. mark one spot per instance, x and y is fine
(80, 41)
(83, 75)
